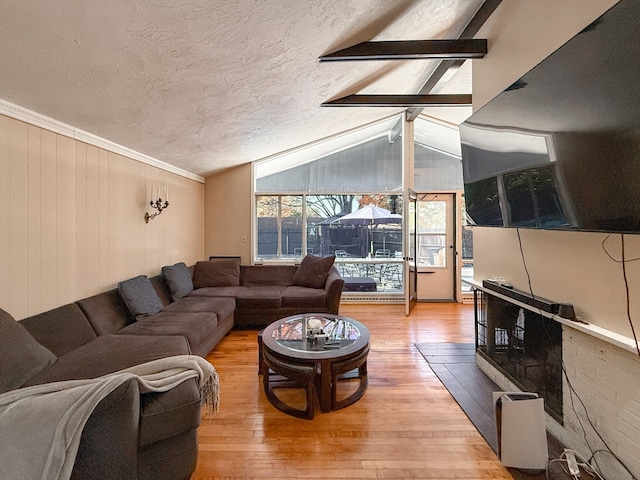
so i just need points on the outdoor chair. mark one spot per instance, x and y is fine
(346, 269)
(351, 270)
(392, 275)
(380, 268)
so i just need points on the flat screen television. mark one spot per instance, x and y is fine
(560, 148)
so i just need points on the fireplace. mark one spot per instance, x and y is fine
(518, 339)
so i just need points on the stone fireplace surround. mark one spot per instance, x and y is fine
(601, 386)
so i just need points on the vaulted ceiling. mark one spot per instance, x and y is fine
(209, 84)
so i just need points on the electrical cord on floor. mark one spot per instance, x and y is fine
(569, 470)
(572, 391)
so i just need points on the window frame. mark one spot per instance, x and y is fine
(279, 259)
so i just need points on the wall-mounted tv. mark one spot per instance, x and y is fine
(560, 148)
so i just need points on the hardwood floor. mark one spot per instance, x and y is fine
(406, 426)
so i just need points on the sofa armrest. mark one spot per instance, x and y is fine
(109, 442)
(333, 288)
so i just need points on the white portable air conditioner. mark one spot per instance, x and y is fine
(520, 424)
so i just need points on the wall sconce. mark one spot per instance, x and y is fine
(157, 191)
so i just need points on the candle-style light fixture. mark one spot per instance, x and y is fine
(158, 190)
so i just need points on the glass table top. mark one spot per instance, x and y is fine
(316, 333)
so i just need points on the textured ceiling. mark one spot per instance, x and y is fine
(208, 84)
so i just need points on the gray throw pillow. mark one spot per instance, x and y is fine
(140, 296)
(313, 271)
(218, 272)
(178, 278)
(21, 356)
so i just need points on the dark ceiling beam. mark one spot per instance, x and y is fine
(478, 20)
(399, 101)
(411, 50)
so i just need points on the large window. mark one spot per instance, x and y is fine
(315, 201)
(333, 224)
(322, 211)
(300, 201)
(280, 226)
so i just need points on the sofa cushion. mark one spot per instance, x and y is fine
(304, 297)
(60, 330)
(313, 271)
(178, 278)
(221, 306)
(218, 272)
(106, 312)
(260, 298)
(110, 353)
(140, 297)
(21, 356)
(161, 288)
(263, 275)
(218, 292)
(196, 327)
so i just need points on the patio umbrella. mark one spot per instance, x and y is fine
(369, 215)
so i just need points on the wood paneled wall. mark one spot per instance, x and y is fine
(71, 219)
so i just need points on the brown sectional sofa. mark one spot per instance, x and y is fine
(153, 435)
(265, 293)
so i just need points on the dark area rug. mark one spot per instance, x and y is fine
(455, 366)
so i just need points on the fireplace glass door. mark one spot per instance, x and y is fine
(523, 345)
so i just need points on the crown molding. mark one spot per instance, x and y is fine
(29, 116)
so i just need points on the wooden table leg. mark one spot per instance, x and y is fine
(324, 392)
(260, 363)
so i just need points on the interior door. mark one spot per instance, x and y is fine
(410, 271)
(436, 247)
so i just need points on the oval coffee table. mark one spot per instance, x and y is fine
(289, 349)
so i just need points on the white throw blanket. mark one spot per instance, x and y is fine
(40, 426)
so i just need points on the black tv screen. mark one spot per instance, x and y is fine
(560, 148)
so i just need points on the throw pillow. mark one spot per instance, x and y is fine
(313, 271)
(140, 296)
(218, 272)
(178, 278)
(21, 356)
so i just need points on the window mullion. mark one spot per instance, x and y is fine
(304, 226)
(279, 223)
